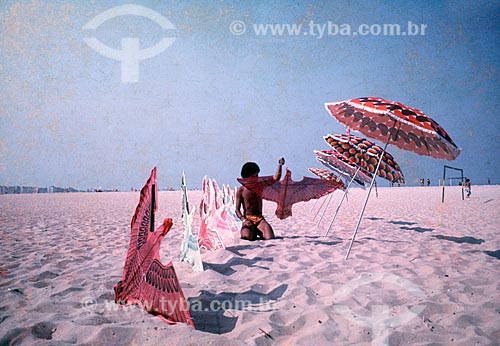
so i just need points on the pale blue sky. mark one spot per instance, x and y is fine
(213, 100)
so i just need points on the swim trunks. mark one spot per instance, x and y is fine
(254, 219)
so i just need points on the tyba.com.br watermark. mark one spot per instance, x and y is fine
(327, 29)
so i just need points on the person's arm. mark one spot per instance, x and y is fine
(277, 175)
(239, 203)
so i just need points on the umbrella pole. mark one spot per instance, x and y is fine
(321, 206)
(341, 201)
(326, 207)
(316, 201)
(368, 194)
(364, 207)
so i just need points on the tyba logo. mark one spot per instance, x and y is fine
(130, 55)
(382, 319)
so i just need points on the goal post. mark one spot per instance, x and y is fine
(461, 179)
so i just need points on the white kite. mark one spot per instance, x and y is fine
(190, 251)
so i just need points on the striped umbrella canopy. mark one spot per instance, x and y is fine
(393, 122)
(340, 164)
(364, 153)
(327, 175)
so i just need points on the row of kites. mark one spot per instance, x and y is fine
(146, 281)
(149, 283)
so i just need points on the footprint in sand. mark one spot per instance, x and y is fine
(63, 264)
(42, 279)
(66, 292)
(46, 275)
(41, 284)
(14, 336)
(43, 330)
(95, 320)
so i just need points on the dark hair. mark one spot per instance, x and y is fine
(249, 169)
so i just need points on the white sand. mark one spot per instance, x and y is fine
(61, 255)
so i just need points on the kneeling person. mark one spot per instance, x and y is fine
(254, 225)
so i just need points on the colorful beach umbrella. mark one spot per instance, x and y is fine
(327, 175)
(362, 152)
(408, 128)
(339, 163)
(393, 122)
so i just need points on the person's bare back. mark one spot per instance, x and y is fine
(254, 225)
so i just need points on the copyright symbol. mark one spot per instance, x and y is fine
(89, 303)
(237, 28)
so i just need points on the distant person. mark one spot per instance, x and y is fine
(254, 225)
(422, 182)
(468, 190)
(428, 182)
(488, 181)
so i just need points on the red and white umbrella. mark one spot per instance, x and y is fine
(362, 152)
(339, 163)
(327, 175)
(408, 128)
(393, 122)
(336, 161)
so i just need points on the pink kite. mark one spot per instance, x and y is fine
(288, 192)
(208, 235)
(145, 280)
(224, 222)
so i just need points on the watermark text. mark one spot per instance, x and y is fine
(328, 29)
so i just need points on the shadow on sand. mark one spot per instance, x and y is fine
(226, 268)
(212, 312)
(417, 229)
(495, 254)
(299, 237)
(404, 225)
(256, 244)
(323, 242)
(460, 240)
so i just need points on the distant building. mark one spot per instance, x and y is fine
(56, 189)
(29, 189)
(11, 190)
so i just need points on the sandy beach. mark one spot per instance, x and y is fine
(421, 272)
